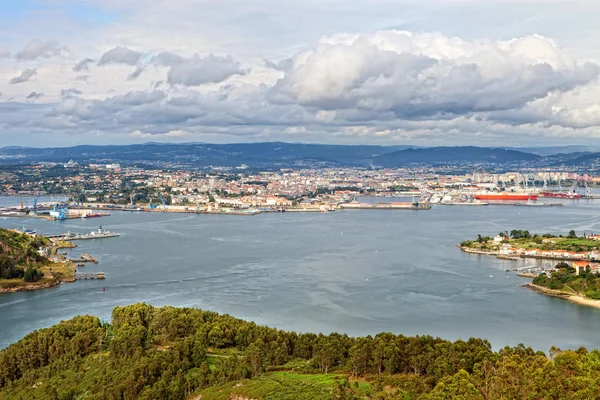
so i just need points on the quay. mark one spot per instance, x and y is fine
(385, 206)
(89, 275)
(85, 258)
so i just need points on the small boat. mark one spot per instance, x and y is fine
(80, 264)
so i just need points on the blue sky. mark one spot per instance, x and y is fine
(356, 71)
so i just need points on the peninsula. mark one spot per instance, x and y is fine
(28, 262)
(574, 274)
(522, 243)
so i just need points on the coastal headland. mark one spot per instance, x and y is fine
(571, 272)
(31, 262)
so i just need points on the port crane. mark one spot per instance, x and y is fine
(163, 202)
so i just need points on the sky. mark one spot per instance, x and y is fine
(421, 72)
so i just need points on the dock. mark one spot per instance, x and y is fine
(89, 275)
(85, 258)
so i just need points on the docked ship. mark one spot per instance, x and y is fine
(506, 196)
(98, 234)
(95, 215)
(561, 195)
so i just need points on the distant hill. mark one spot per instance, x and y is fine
(274, 155)
(553, 150)
(453, 155)
(251, 154)
(586, 159)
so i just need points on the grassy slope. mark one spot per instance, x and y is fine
(275, 386)
(560, 244)
(567, 281)
(269, 386)
(18, 245)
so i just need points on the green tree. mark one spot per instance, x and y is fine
(32, 274)
(256, 356)
(456, 387)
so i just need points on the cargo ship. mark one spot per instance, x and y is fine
(505, 196)
(561, 195)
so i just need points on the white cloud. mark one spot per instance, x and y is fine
(24, 76)
(34, 96)
(83, 65)
(196, 71)
(120, 55)
(39, 49)
(238, 68)
(417, 75)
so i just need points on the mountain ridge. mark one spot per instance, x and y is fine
(285, 155)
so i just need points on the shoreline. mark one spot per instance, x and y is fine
(32, 286)
(497, 254)
(51, 278)
(563, 295)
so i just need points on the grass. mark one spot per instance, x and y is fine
(280, 386)
(65, 270)
(577, 242)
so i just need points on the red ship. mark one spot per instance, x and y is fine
(506, 196)
(562, 195)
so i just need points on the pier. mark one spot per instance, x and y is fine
(85, 258)
(89, 275)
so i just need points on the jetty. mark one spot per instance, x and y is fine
(85, 258)
(89, 275)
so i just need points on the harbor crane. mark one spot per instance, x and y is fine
(163, 202)
(150, 205)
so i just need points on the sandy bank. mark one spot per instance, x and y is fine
(564, 295)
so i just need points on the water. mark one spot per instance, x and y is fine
(358, 272)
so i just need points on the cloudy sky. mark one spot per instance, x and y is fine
(424, 72)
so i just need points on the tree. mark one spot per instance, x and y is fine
(256, 356)
(32, 274)
(562, 265)
(572, 234)
(458, 386)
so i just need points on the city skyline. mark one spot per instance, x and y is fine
(433, 73)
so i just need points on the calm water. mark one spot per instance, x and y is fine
(359, 272)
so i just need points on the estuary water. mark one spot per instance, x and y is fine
(357, 272)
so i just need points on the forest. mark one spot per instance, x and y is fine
(184, 353)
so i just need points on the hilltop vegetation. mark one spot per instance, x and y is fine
(23, 267)
(587, 283)
(173, 353)
(523, 239)
(19, 257)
